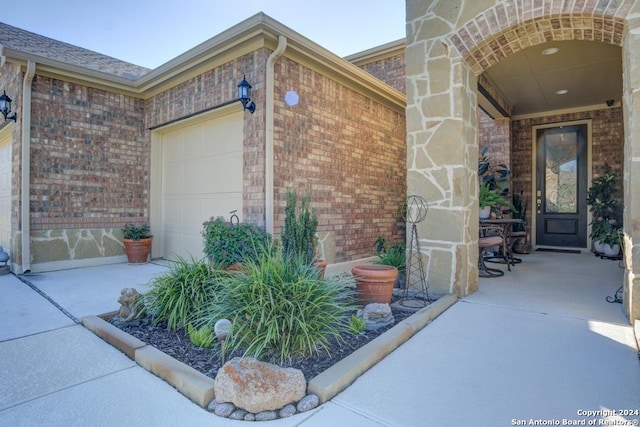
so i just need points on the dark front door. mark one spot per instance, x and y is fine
(561, 187)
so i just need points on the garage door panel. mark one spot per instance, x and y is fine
(202, 177)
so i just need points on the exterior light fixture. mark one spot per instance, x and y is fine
(551, 51)
(562, 91)
(222, 328)
(244, 95)
(5, 107)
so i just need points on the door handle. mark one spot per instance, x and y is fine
(539, 205)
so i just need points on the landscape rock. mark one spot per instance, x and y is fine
(308, 403)
(224, 409)
(238, 414)
(250, 417)
(266, 416)
(376, 315)
(212, 405)
(257, 386)
(287, 411)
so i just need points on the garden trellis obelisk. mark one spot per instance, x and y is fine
(415, 213)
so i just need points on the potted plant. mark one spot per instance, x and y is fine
(137, 242)
(299, 234)
(228, 245)
(395, 256)
(606, 213)
(490, 198)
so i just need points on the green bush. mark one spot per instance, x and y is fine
(200, 337)
(357, 325)
(299, 234)
(280, 308)
(395, 256)
(136, 232)
(226, 244)
(176, 294)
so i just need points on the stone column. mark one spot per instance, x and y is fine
(631, 102)
(442, 151)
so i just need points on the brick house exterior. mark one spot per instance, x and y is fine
(94, 123)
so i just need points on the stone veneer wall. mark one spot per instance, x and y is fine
(90, 170)
(448, 45)
(389, 70)
(215, 87)
(346, 151)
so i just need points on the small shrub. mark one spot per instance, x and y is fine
(280, 308)
(176, 294)
(136, 232)
(299, 234)
(395, 256)
(200, 337)
(357, 325)
(226, 244)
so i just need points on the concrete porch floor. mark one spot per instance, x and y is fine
(540, 343)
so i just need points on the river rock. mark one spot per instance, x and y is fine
(224, 409)
(257, 386)
(308, 403)
(287, 411)
(266, 416)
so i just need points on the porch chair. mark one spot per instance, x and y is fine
(490, 236)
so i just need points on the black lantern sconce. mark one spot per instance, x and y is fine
(244, 95)
(5, 107)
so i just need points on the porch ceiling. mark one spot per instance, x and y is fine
(591, 72)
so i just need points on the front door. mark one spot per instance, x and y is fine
(561, 186)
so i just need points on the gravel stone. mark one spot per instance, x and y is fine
(224, 409)
(307, 403)
(238, 414)
(287, 411)
(250, 417)
(266, 416)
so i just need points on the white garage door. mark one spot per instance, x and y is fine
(201, 178)
(5, 188)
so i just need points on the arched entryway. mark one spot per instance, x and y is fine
(450, 44)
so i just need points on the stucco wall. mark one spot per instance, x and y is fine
(346, 151)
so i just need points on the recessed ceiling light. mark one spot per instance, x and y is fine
(562, 91)
(550, 51)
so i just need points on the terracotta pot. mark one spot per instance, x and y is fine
(137, 250)
(374, 282)
(321, 265)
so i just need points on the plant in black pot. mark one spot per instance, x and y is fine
(396, 256)
(137, 242)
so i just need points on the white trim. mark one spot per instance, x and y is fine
(534, 132)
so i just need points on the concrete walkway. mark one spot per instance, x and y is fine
(539, 343)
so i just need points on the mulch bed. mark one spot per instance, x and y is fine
(207, 361)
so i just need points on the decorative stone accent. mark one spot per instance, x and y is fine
(308, 402)
(257, 386)
(129, 304)
(287, 411)
(376, 316)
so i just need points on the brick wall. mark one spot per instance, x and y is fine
(216, 87)
(344, 150)
(495, 136)
(389, 70)
(607, 143)
(89, 157)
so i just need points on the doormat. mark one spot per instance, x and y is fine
(562, 251)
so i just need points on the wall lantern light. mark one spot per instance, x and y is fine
(5, 107)
(244, 95)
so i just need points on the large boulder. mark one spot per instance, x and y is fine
(257, 386)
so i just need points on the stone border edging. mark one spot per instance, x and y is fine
(341, 375)
(199, 387)
(195, 385)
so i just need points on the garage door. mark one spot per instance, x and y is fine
(5, 188)
(201, 178)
